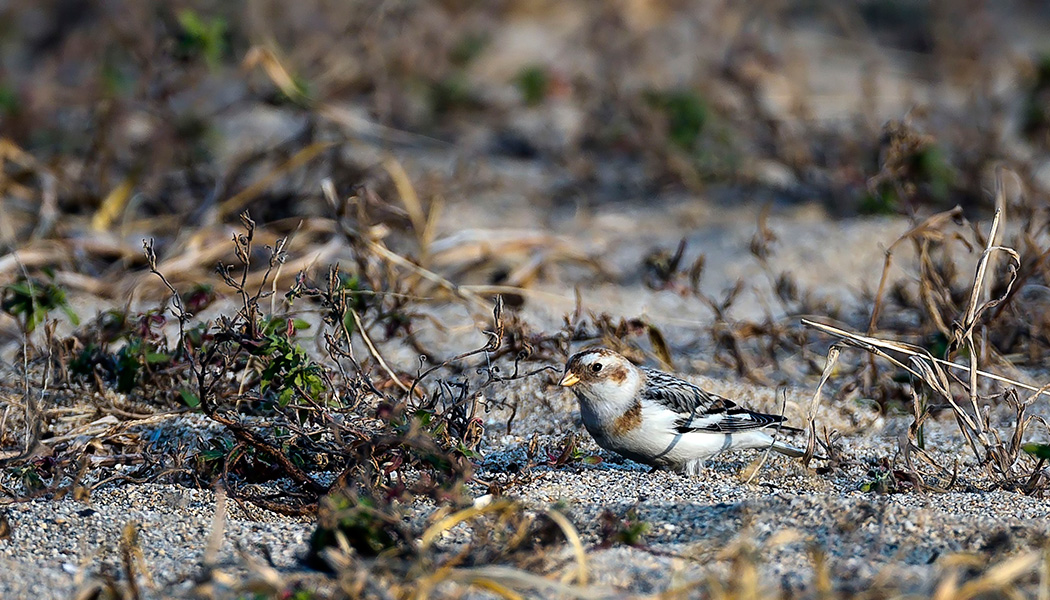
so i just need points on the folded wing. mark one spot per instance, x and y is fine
(700, 410)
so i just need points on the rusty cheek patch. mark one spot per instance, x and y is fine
(628, 421)
(618, 375)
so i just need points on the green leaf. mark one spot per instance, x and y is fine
(156, 357)
(211, 455)
(533, 84)
(285, 396)
(189, 398)
(72, 316)
(1041, 451)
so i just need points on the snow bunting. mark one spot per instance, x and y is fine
(657, 419)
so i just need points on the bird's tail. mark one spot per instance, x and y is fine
(786, 449)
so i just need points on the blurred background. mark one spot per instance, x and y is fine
(681, 180)
(509, 145)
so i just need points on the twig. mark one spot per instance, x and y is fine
(494, 343)
(328, 188)
(375, 353)
(932, 223)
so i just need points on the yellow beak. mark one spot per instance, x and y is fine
(569, 380)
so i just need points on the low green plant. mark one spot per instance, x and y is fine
(629, 529)
(203, 37)
(288, 370)
(31, 477)
(913, 170)
(1035, 111)
(223, 455)
(468, 48)
(210, 461)
(687, 116)
(570, 454)
(10, 104)
(451, 93)
(884, 479)
(533, 84)
(31, 300)
(1039, 451)
(879, 202)
(132, 365)
(369, 525)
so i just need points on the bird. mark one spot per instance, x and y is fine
(657, 419)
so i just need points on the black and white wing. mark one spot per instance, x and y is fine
(700, 410)
(681, 396)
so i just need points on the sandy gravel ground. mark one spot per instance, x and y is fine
(697, 525)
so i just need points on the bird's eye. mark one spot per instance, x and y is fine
(596, 367)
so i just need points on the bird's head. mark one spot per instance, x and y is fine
(602, 376)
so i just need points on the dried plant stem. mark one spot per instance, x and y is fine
(427, 274)
(963, 333)
(375, 353)
(931, 224)
(863, 341)
(413, 206)
(811, 414)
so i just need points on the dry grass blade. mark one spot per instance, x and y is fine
(375, 352)
(40, 254)
(510, 578)
(31, 402)
(447, 522)
(921, 364)
(1044, 577)
(999, 576)
(574, 539)
(811, 415)
(495, 587)
(276, 71)
(754, 468)
(112, 205)
(132, 556)
(240, 200)
(382, 252)
(426, 274)
(660, 347)
(450, 521)
(218, 528)
(409, 197)
(869, 343)
(963, 333)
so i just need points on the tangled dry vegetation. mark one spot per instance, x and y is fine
(355, 439)
(379, 442)
(343, 433)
